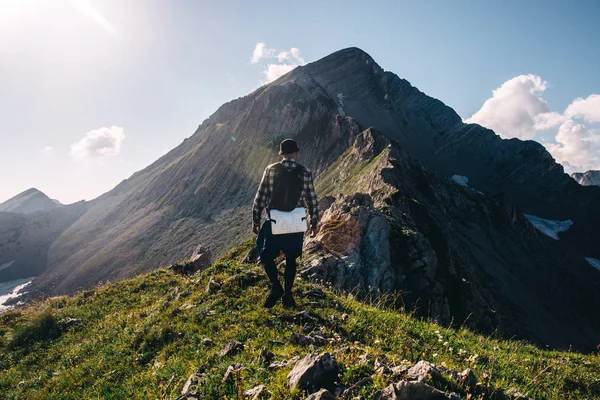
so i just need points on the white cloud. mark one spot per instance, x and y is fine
(85, 8)
(548, 120)
(588, 109)
(577, 148)
(511, 111)
(287, 60)
(102, 142)
(517, 109)
(48, 150)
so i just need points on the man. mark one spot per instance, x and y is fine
(283, 182)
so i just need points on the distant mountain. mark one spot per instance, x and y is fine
(589, 178)
(28, 202)
(461, 255)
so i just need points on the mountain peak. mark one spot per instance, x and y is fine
(28, 201)
(589, 178)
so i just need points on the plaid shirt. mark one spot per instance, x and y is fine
(308, 197)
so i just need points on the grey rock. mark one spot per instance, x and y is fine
(313, 372)
(201, 258)
(303, 340)
(255, 393)
(207, 342)
(424, 371)
(322, 394)
(231, 348)
(414, 390)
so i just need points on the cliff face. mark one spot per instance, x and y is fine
(453, 253)
(439, 232)
(28, 202)
(589, 178)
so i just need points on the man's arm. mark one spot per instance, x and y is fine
(260, 200)
(311, 200)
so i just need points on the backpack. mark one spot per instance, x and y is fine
(288, 186)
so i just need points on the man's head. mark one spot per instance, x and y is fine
(288, 149)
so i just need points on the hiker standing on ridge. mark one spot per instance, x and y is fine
(284, 192)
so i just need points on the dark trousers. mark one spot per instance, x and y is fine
(270, 246)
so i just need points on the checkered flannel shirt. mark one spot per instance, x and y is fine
(308, 197)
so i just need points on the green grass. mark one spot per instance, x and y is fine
(141, 339)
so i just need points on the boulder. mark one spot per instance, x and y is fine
(303, 340)
(322, 394)
(424, 371)
(201, 258)
(412, 390)
(313, 372)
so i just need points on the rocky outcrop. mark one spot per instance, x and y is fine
(355, 240)
(314, 372)
(589, 178)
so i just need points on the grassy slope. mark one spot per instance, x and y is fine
(141, 338)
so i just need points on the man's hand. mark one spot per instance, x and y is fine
(255, 229)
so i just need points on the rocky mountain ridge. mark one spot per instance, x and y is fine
(589, 178)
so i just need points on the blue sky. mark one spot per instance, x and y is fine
(139, 76)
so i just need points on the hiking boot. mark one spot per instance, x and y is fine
(273, 297)
(288, 300)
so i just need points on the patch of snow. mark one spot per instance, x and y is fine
(549, 227)
(11, 289)
(340, 97)
(594, 262)
(461, 180)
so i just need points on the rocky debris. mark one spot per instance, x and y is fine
(191, 389)
(68, 322)
(322, 394)
(212, 286)
(199, 261)
(313, 372)
(231, 371)
(344, 317)
(354, 238)
(353, 390)
(207, 342)
(303, 340)
(231, 348)
(467, 379)
(424, 371)
(412, 390)
(399, 370)
(255, 393)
